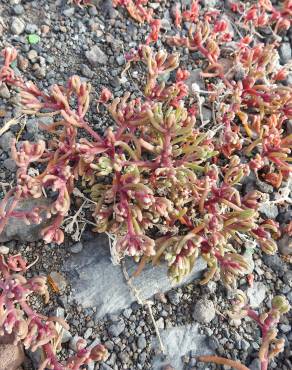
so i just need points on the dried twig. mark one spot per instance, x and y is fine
(223, 361)
(8, 124)
(142, 302)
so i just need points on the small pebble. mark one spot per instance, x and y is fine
(204, 311)
(4, 249)
(17, 26)
(76, 248)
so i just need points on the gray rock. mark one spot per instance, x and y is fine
(69, 12)
(275, 263)
(165, 24)
(255, 365)
(96, 56)
(36, 357)
(112, 293)
(142, 342)
(32, 55)
(285, 245)
(86, 71)
(285, 52)
(9, 164)
(108, 10)
(66, 336)
(256, 294)
(270, 210)
(4, 92)
(142, 358)
(5, 141)
(32, 126)
(244, 345)
(289, 126)
(104, 366)
(207, 114)
(127, 313)
(18, 9)
(160, 323)
(209, 3)
(285, 328)
(17, 26)
(77, 247)
(117, 328)
(88, 333)
(17, 229)
(287, 278)
(264, 187)
(204, 311)
(213, 343)
(92, 10)
(289, 297)
(4, 249)
(46, 120)
(31, 28)
(179, 341)
(174, 296)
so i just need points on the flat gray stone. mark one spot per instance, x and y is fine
(179, 341)
(96, 282)
(17, 229)
(256, 294)
(96, 56)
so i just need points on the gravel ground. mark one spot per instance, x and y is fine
(92, 43)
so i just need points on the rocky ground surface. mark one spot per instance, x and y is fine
(91, 293)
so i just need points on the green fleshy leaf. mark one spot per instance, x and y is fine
(13, 65)
(33, 39)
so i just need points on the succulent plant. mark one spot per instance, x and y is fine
(164, 197)
(31, 328)
(271, 346)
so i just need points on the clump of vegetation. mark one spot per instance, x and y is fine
(164, 196)
(34, 330)
(271, 346)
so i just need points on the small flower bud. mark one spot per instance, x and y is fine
(281, 304)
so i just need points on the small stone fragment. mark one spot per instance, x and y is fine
(32, 55)
(69, 12)
(18, 9)
(96, 56)
(270, 210)
(76, 248)
(86, 71)
(285, 52)
(204, 311)
(174, 296)
(4, 249)
(4, 92)
(32, 126)
(142, 342)
(255, 365)
(117, 328)
(9, 164)
(5, 141)
(285, 245)
(17, 26)
(256, 294)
